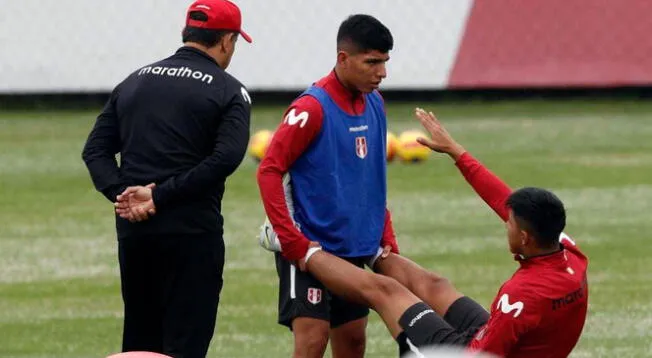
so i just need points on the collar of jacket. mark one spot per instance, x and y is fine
(193, 50)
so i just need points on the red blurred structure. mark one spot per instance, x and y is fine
(555, 43)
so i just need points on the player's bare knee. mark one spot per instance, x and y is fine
(382, 288)
(351, 345)
(357, 344)
(355, 347)
(432, 283)
(310, 340)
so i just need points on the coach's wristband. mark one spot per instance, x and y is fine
(311, 251)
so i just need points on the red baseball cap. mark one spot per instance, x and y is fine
(221, 14)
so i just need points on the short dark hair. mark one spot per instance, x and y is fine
(205, 37)
(540, 213)
(365, 33)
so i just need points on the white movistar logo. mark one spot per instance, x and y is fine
(292, 118)
(507, 307)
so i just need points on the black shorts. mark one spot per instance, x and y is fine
(422, 327)
(301, 295)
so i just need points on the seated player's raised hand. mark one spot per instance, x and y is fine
(440, 140)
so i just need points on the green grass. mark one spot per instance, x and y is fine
(59, 286)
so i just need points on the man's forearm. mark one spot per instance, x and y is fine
(488, 186)
(100, 149)
(196, 182)
(456, 151)
(229, 151)
(272, 192)
(105, 175)
(389, 236)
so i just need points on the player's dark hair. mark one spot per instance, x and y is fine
(540, 213)
(364, 33)
(205, 37)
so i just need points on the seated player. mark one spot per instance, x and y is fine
(539, 312)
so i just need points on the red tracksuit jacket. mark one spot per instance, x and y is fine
(541, 310)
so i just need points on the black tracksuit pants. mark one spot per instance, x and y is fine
(171, 289)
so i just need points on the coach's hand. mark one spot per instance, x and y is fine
(440, 140)
(135, 203)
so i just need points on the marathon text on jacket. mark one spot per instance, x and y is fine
(176, 72)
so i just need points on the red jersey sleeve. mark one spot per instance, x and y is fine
(513, 314)
(389, 237)
(490, 188)
(495, 192)
(301, 124)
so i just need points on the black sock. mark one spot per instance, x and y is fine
(403, 346)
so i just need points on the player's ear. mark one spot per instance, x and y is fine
(228, 41)
(525, 237)
(342, 57)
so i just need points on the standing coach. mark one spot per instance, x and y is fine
(181, 127)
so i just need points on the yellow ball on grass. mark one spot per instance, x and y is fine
(259, 143)
(409, 150)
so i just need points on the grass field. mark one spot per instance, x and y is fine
(59, 286)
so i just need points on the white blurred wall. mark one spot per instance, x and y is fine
(91, 45)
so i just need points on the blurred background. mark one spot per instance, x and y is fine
(552, 93)
(72, 46)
